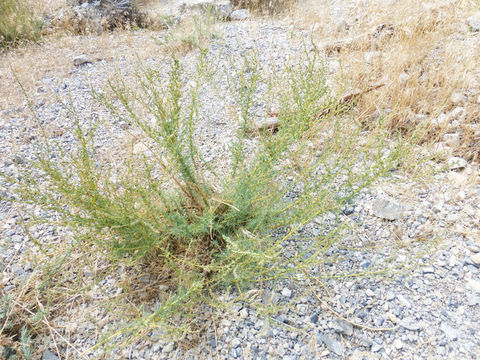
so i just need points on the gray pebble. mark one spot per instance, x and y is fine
(48, 355)
(80, 60)
(410, 324)
(332, 344)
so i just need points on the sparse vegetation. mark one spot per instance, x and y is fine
(415, 50)
(269, 6)
(18, 22)
(194, 229)
(192, 32)
(171, 229)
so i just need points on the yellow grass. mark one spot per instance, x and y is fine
(422, 52)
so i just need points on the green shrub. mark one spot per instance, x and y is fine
(18, 22)
(208, 228)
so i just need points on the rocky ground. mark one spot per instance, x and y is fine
(403, 283)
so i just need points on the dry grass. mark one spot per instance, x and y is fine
(33, 65)
(53, 60)
(423, 53)
(264, 6)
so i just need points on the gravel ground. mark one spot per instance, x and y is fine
(417, 293)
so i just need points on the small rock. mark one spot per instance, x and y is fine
(473, 300)
(474, 23)
(456, 163)
(458, 179)
(428, 270)
(314, 318)
(403, 78)
(233, 353)
(48, 355)
(376, 347)
(451, 333)
(286, 292)
(389, 296)
(458, 98)
(349, 210)
(410, 324)
(365, 264)
(243, 313)
(473, 247)
(168, 348)
(220, 9)
(332, 344)
(140, 148)
(18, 160)
(474, 285)
(271, 123)
(398, 344)
(236, 343)
(240, 15)
(441, 121)
(80, 60)
(403, 300)
(344, 328)
(476, 259)
(387, 209)
(452, 140)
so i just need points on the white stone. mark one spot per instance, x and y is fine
(452, 140)
(398, 344)
(476, 258)
(474, 285)
(286, 292)
(403, 78)
(458, 98)
(80, 60)
(456, 163)
(387, 209)
(474, 22)
(270, 123)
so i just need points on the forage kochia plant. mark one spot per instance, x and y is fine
(209, 230)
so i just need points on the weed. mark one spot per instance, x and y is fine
(194, 227)
(192, 32)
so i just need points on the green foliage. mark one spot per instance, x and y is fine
(202, 228)
(18, 22)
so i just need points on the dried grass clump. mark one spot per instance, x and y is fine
(268, 6)
(423, 53)
(18, 22)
